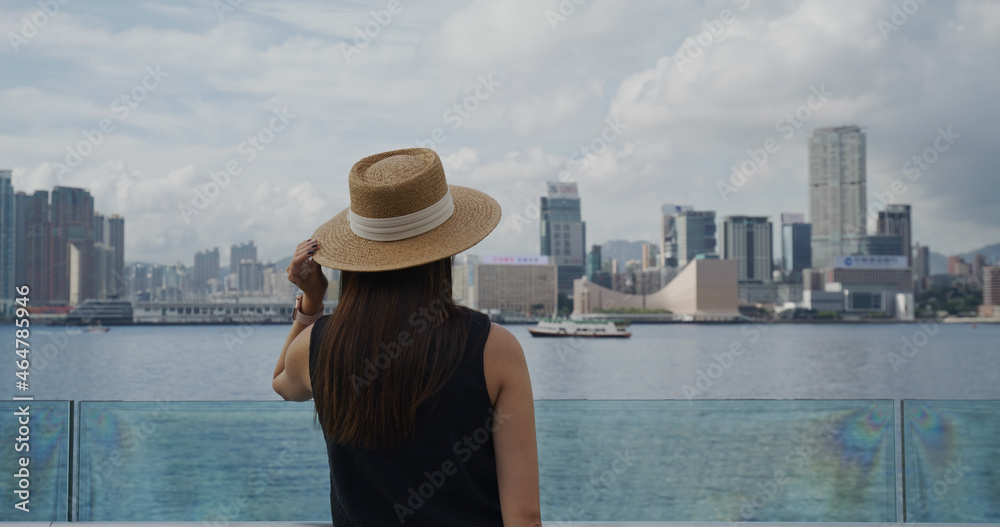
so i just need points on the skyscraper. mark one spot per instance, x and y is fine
(921, 261)
(748, 240)
(837, 192)
(668, 233)
(921, 265)
(206, 267)
(895, 219)
(7, 231)
(22, 205)
(115, 239)
(36, 260)
(796, 246)
(72, 213)
(563, 234)
(238, 253)
(695, 234)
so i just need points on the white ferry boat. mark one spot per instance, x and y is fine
(573, 328)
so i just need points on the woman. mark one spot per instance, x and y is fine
(425, 405)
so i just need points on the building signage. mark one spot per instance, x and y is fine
(494, 259)
(792, 217)
(563, 190)
(870, 262)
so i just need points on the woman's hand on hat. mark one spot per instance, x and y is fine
(306, 273)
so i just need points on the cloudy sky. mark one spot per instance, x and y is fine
(641, 103)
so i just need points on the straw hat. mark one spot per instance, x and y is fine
(403, 213)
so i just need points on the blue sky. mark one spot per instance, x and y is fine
(640, 103)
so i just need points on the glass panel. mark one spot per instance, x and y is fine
(202, 461)
(952, 461)
(750, 460)
(40, 432)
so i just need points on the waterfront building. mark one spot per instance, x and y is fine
(837, 192)
(872, 272)
(796, 246)
(563, 234)
(695, 234)
(668, 234)
(704, 289)
(895, 220)
(518, 286)
(747, 239)
(7, 242)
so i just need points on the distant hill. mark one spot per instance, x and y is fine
(939, 262)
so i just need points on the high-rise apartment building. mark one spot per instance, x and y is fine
(837, 192)
(796, 245)
(7, 234)
(668, 233)
(109, 256)
(238, 253)
(206, 267)
(695, 234)
(563, 234)
(895, 220)
(748, 240)
(72, 249)
(921, 261)
(35, 259)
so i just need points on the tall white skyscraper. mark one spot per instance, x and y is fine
(837, 192)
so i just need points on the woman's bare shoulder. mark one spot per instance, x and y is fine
(503, 359)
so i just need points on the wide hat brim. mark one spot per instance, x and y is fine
(476, 214)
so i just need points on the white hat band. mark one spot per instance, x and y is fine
(402, 227)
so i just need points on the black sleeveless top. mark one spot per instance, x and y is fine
(444, 475)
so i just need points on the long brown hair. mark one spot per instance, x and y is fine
(393, 341)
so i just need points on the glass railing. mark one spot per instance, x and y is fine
(604, 461)
(952, 461)
(747, 460)
(35, 467)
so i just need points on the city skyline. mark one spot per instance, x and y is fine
(719, 123)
